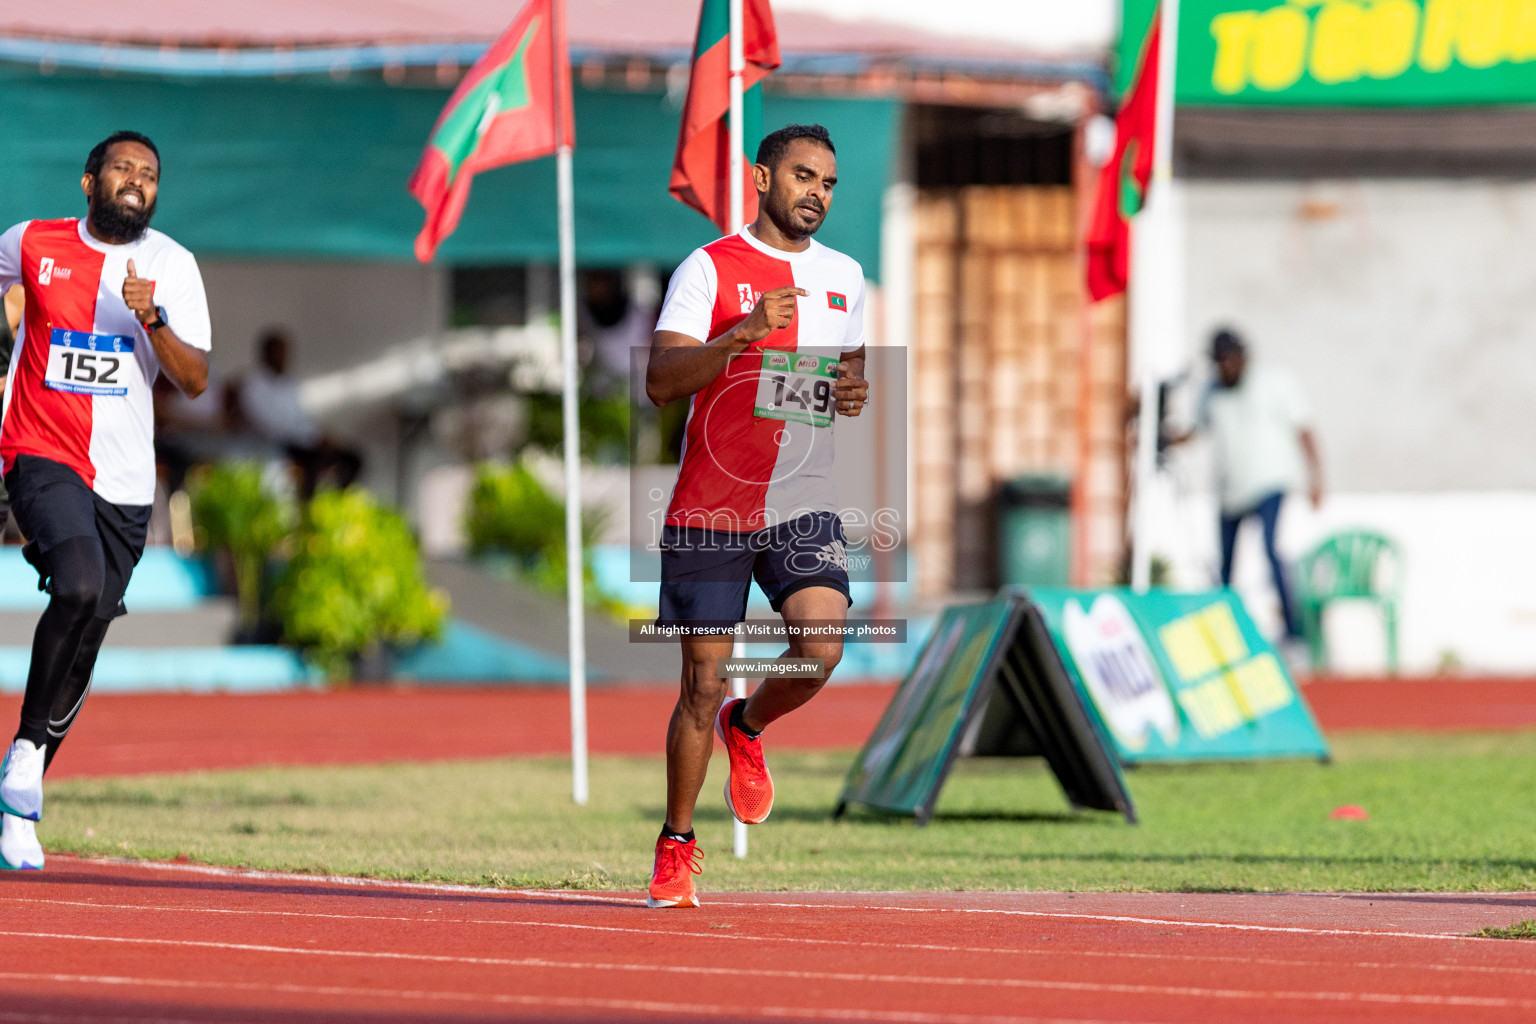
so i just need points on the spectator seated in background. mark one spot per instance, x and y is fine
(269, 403)
(614, 323)
(195, 431)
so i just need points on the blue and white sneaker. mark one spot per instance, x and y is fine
(19, 848)
(21, 780)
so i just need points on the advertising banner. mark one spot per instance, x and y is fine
(1179, 677)
(981, 656)
(1345, 52)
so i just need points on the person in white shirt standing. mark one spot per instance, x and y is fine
(1265, 446)
(110, 305)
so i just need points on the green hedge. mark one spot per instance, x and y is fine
(348, 575)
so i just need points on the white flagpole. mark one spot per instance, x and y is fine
(1156, 302)
(571, 423)
(737, 170)
(738, 214)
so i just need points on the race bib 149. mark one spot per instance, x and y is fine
(89, 364)
(796, 387)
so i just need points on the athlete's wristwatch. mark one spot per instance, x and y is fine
(155, 324)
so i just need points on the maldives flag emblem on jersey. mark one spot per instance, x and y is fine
(837, 300)
(513, 105)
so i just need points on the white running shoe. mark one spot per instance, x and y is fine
(19, 848)
(21, 780)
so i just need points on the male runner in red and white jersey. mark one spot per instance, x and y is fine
(110, 305)
(763, 332)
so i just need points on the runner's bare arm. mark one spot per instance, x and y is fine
(851, 389)
(681, 366)
(186, 365)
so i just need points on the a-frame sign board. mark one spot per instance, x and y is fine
(998, 654)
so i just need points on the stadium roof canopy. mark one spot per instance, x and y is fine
(198, 37)
(313, 112)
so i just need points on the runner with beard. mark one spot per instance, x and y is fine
(110, 305)
(763, 332)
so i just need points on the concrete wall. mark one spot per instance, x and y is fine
(1408, 308)
(339, 314)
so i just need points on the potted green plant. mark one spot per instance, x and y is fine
(511, 515)
(236, 515)
(354, 588)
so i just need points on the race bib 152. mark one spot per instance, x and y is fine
(89, 364)
(796, 387)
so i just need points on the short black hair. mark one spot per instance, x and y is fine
(771, 150)
(98, 154)
(1227, 342)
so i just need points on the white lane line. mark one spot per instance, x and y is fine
(926, 947)
(732, 1012)
(350, 881)
(1484, 1002)
(715, 902)
(1163, 922)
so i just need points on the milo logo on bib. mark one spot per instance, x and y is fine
(796, 388)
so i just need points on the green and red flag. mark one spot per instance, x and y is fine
(701, 168)
(1123, 180)
(513, 105)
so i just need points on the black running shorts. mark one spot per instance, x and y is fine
(52, 504)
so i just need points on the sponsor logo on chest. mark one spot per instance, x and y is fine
(47, 270)
(747, 297)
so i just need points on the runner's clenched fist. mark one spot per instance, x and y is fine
(774, 311)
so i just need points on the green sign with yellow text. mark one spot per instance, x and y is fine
(1179, 677)
(1345, 52)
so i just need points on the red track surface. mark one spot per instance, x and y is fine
(169, 732)
(126, 734)
(87, 941)
(1432, 704)
(95, 940)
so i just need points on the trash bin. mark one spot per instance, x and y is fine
(1034, 531)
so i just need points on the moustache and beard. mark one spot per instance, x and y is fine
(115, 220)
(782, 212)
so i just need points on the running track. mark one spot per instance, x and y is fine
(99, 940)
(128, 734)
(94, 940)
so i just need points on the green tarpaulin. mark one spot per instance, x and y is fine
(315, 168)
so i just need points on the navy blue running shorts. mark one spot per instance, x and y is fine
(705, 574)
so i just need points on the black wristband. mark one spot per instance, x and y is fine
(154, 325)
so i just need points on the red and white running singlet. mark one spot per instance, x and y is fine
(82, 370)
(758, 447)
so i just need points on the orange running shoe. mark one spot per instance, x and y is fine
(749, 789)
(672, 874)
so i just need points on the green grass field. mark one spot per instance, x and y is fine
(1455, 812)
